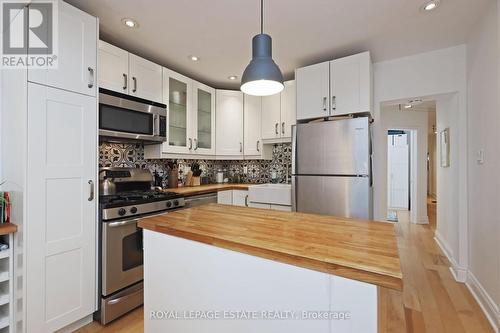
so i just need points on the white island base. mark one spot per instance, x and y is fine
(191, 287)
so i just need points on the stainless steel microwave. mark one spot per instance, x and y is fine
(123, 117)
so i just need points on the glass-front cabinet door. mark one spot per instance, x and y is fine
(177, 90)
(204, 119)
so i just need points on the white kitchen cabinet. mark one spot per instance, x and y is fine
(288, 109)
(177, 90)
(225, 197)
(76, 53)
(313, 91)
(203, 119)
(229, 124)
(240, 198)
(271, 116)
(145, 78)
(252, 125)
(279, 114)
(338, 87)
(113, 68)
(350, 85)
(61, 205)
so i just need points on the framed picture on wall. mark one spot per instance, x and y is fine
(444, 140)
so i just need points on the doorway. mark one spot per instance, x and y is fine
(398, 172)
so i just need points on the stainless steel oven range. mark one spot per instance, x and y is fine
(125, 196)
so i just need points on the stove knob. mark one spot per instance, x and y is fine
(122, 211)
(133, 210)
(176, 202)
(169, 204)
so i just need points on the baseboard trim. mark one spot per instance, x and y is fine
(423, 220)
(76, 325)
(484, 300)
(459, 273)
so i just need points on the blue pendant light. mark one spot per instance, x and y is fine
(262, 77)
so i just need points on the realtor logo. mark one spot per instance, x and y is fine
(28, 34)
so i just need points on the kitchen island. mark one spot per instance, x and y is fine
(219, 268)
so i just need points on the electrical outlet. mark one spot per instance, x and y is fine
(245, 170)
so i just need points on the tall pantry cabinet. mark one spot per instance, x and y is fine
(54, 179)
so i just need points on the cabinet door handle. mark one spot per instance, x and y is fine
(258, 145)
(334, 103)
(246, 200)
(283, 128)
(91, 189)
(324, 104)
(276, 128)
(195, 144)
(190, 143)
(135, 84)
(125, 79)
(241, 147)
(91, 77)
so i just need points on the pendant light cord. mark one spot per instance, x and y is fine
(261, 16)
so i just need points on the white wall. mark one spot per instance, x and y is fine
(484, 182)
(432, 149)
(391, 119)
(431, 74)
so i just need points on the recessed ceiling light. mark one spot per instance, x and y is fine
(193, 58)
(131, 23)
(431, 5)
(232, 77)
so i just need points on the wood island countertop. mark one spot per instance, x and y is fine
(204, 189)
(356, 249)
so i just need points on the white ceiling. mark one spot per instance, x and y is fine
(303, 31)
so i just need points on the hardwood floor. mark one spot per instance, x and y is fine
(431, 301)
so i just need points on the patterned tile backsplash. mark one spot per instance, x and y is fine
(258, 171)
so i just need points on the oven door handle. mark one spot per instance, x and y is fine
(121, 223)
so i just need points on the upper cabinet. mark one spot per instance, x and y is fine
(279, 114)
(177, 92)
(313, 91)
(145, 78)
(252, 126)
(339, 87)
(229, 124)
(113, 68)
(76, 56)
(351, 85)
(203, 119)
(127, 73)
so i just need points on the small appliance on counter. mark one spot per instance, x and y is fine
(125, 196)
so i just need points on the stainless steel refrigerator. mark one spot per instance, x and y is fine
(331, 168)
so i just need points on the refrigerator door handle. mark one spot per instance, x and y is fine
(294, 193)
(294, 148)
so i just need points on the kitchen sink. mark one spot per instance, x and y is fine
(274, 194)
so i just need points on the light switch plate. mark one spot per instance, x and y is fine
(480, 156)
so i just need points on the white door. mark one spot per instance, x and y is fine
(350, 84)
(61, 219)
(77, 53)
(252, 125)
(203, 119)
(271, 110)
(145, 79)
(229, 123)
(313, 91)
(398, 171)
(177, 90)
(288, 109)
(113, 68)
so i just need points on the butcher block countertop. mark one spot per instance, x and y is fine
(356, 249)
(7, 228)
(204, 189)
